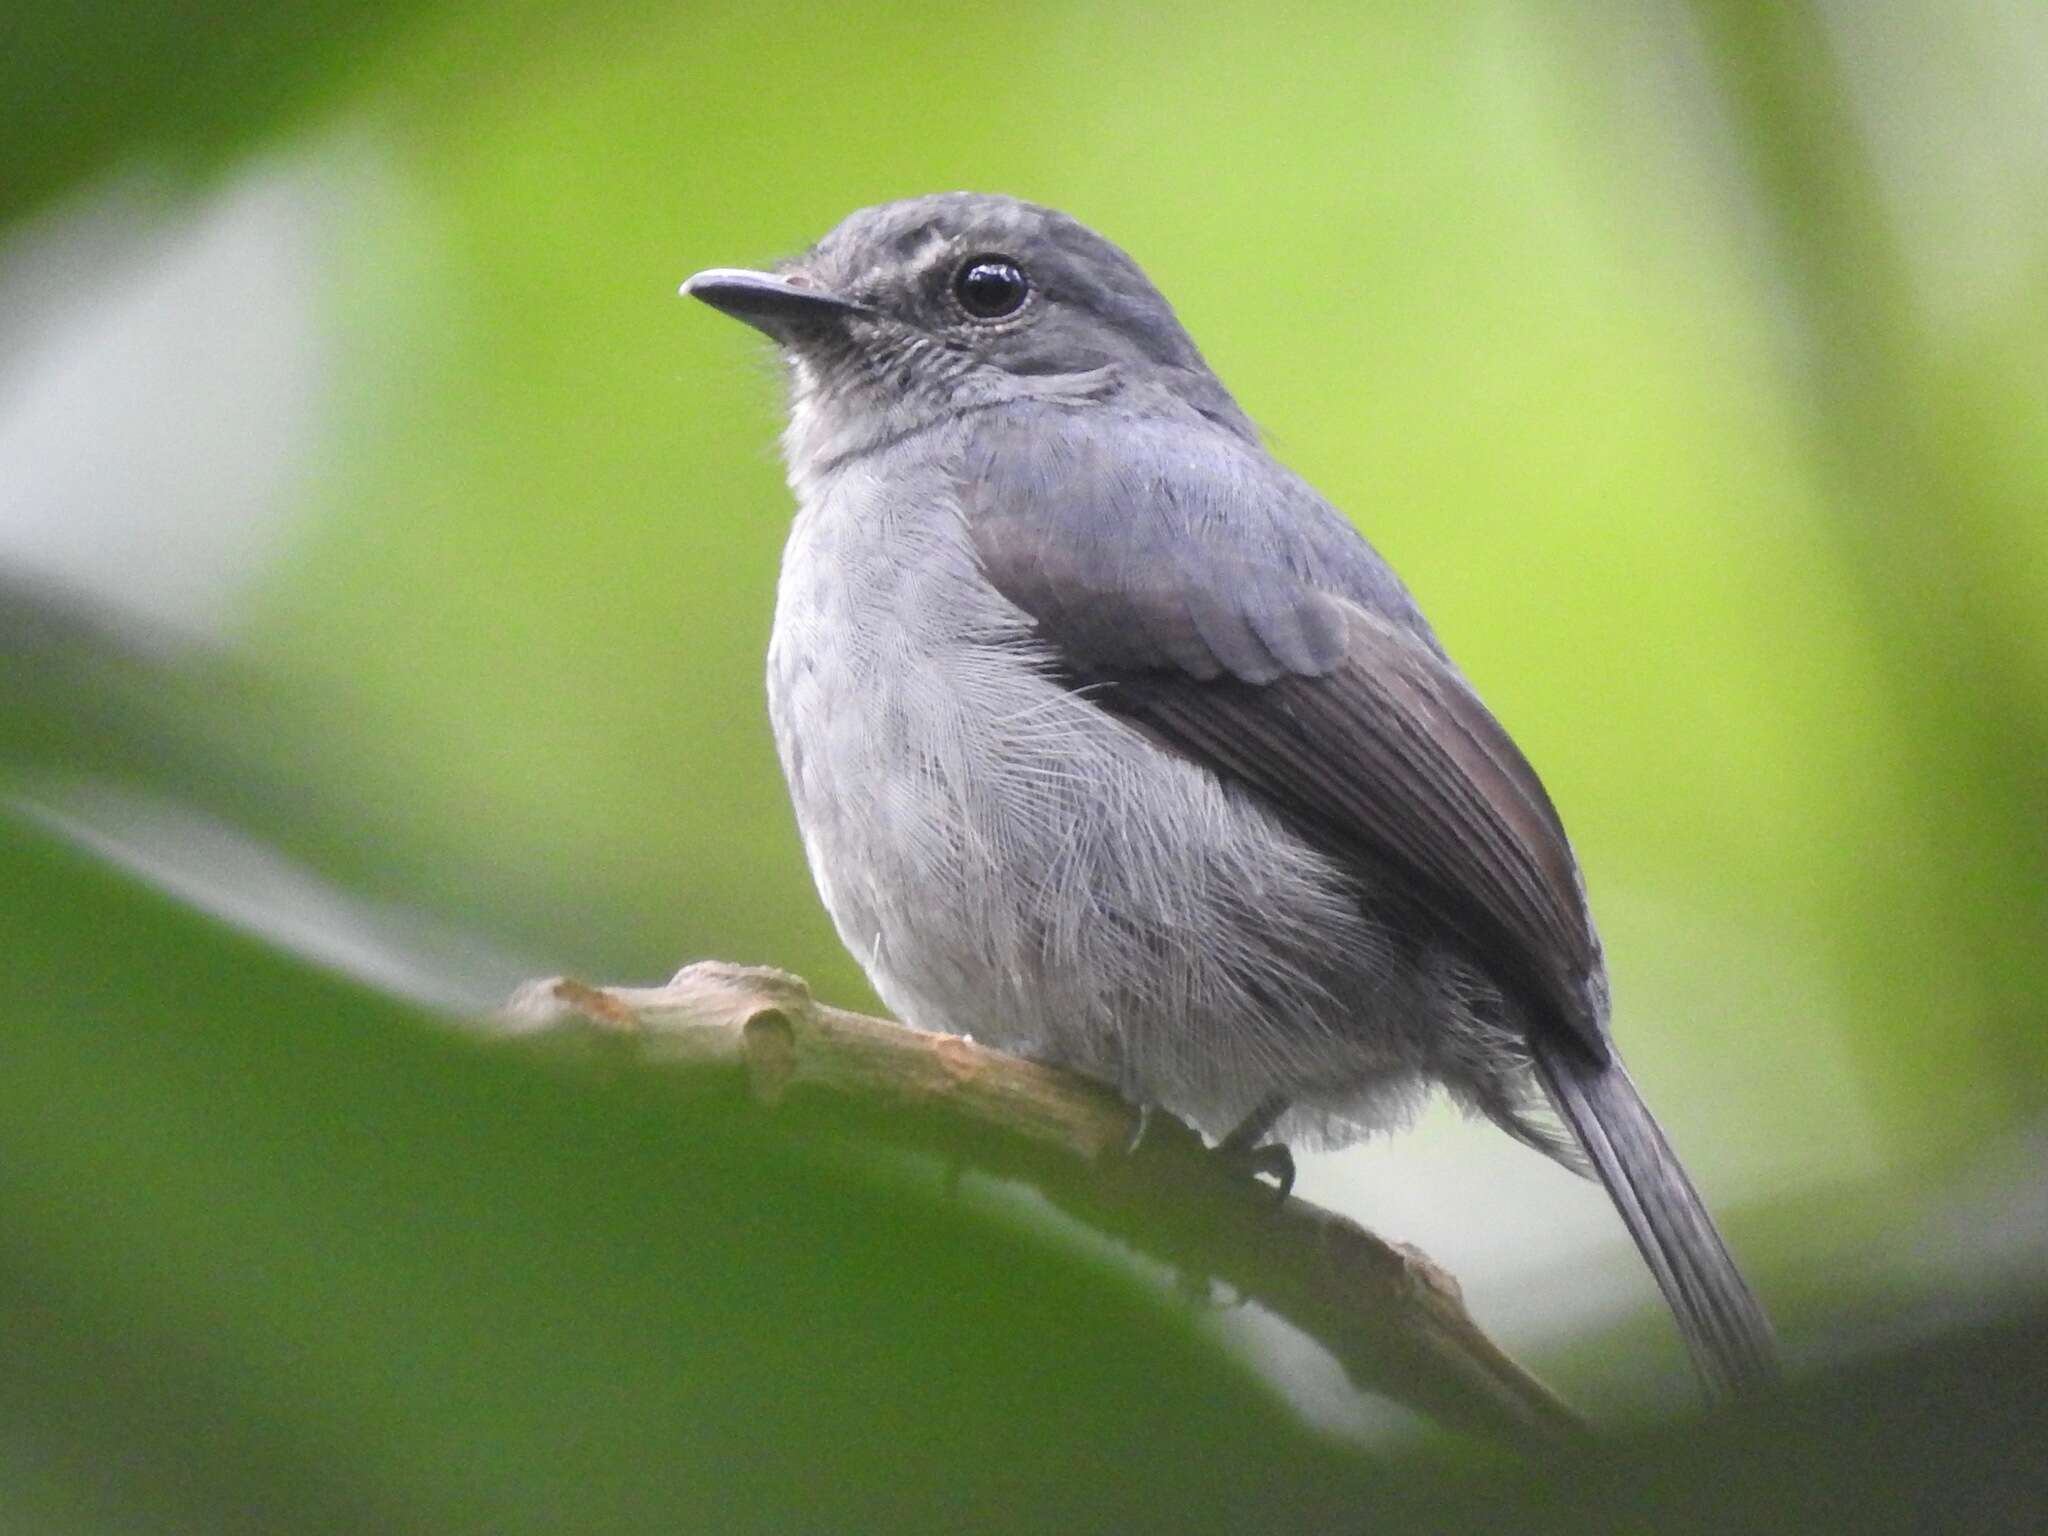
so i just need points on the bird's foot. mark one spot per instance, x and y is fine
(1247, 1147)
(1269, 1160)
(1244, 1148)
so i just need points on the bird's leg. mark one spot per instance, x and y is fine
(1251, 1130)
(1247, 1146)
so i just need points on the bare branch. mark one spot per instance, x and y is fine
(1386, 1311)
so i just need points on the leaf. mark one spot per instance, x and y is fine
(297, 1258)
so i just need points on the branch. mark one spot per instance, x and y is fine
(1390, 1316)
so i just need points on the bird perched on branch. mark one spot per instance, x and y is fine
(1112, 742)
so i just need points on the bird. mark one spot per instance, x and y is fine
(1113, 743)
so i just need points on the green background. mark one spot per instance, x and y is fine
(1688, 362)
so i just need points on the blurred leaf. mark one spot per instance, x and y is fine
(278, 1255)
(88, 85)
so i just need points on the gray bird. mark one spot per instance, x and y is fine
(1112, 743)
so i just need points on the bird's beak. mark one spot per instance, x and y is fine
(770, 303)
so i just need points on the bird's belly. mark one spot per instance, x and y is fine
(1008, 860)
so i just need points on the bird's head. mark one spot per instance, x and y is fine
(913, 310)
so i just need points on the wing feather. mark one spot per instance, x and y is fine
(1192, 585)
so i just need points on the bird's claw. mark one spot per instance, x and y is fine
(1271, 1160)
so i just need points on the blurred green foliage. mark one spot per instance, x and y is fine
(277, 1257)
(1687, 361)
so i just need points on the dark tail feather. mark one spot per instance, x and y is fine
(1726, 1330)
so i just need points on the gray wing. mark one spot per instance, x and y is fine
(1192, 585)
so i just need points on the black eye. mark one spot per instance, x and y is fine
(990, 287)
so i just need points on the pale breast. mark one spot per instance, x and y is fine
(1008, 860)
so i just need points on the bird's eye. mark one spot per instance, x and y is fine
(990, 287)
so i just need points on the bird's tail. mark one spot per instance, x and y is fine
(1724, 1327)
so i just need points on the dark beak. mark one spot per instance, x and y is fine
(776, 305)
